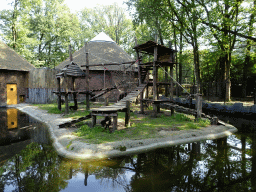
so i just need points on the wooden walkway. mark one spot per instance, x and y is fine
(111, 111)
(121, 105)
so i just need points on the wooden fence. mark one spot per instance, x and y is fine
(41, 95)
(42, 83)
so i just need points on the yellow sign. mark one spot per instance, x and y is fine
(12, 120)
(11, 94)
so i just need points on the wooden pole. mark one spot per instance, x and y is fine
(127, 114)
(87, 79)
(70, 54)
(66, 95)
(171, 72)
(171, 82)
(59, 95)
(138, 59)
(155, 78)
(166, 80)
(74, 94)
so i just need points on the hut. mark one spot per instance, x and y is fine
(14, 76)
(107, 62)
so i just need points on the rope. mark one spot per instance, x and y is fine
(174, 79)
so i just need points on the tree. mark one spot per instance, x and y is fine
(112, 20)
(41, 30)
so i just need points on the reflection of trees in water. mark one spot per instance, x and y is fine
(208, 166)
(36, 168)
(177, 169)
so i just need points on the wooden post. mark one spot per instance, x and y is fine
(198, 106)
(141, 103)
(172, 111)
(171, 82)
(87, 80)
(138, 59)
(59, 93)
(171, 72)
(66, 95)
(74, 94)
(70, 54)
(106, 101)
(147, 91)
(155, 78)
(127, 114)
(166, 80)
(93, 120)
(115, 122)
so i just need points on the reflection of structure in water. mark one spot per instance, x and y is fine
(12, 119)
(16, 126)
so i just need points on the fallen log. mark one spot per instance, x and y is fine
(69, 123)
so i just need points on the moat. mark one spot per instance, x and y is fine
(213, 165)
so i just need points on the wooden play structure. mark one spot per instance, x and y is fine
(164, 58)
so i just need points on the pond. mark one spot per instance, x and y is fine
(227, 164)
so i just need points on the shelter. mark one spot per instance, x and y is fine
(69, 71)
(14, 76)
(105, 57)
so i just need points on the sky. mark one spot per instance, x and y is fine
(75, 5)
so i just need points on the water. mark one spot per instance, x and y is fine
(227, 164)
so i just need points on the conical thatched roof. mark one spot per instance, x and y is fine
(10, 60)
(102, 50)
(72, 70)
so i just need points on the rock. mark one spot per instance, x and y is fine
(237, 107)
(253, 109)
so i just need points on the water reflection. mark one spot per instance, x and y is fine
(227, 164)
(15, 126)
(12, 118)
(17, 130)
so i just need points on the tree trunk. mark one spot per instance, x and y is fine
(247, 59)
(180, 64)
(196, 65)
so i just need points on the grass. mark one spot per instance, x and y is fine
(50, 108)
(142, 127)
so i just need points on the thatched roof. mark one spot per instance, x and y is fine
(102, 50)
(72, 70)
(10, 60)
